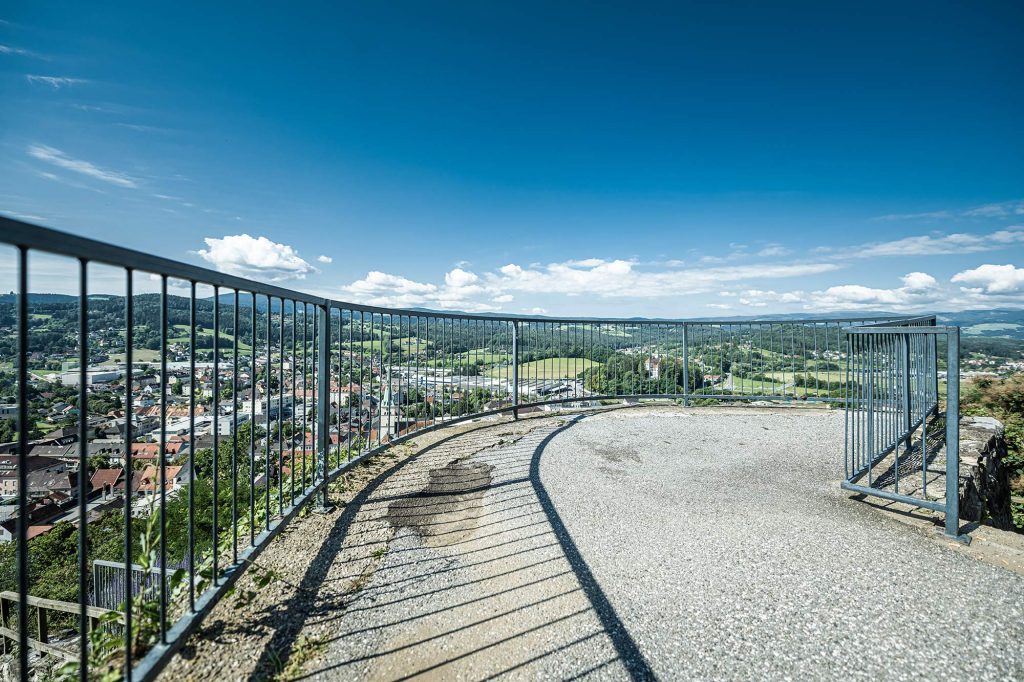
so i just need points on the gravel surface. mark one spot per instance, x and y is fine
(729, 551)
(629, 544)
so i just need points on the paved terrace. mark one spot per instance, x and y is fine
(635, 543)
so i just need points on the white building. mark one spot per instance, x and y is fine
(93, 377)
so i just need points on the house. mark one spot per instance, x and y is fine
(63, 436)
(106, 481)
(149, 480)
(9, 471)
(653, 365)
(43, 482)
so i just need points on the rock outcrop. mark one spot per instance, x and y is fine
(984, 478)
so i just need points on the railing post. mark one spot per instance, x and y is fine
(515, 369)
(323, 388)
(686, 367)
(953, 432)
(934, 369)
(905, 339)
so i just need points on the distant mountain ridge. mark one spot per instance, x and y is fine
(994, 322)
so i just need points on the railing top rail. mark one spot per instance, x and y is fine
(30, 236)
(19, 233)
(926, 319)
(901, 330)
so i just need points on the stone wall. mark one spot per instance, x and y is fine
(984, 478)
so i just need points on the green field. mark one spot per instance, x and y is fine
(138, 355)
(979, 329)
(549, 368)
(407, 344)
(756, 386)
(180, 333)
(484, 356)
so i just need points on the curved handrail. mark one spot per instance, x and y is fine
(451, 367)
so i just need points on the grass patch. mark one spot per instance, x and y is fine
(549, 368)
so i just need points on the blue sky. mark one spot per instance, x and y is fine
(596, 159)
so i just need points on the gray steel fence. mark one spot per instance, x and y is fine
(303, 388)
(899, 446)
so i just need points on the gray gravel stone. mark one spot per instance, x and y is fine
(641, 543)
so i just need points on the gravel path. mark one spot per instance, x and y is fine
(629, 544)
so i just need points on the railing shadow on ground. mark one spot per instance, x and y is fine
(551, 575)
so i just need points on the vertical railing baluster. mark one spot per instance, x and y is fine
(351, 389)
(234, 433)
(192, 447)
(83, 467)
(162, 461)
(268, 394)
(305, 396)
(216, 435)
(253, 375)
(280, 411)
(515, 369)
(323, 385)
(294, 409)
(129, 316)
(953, 431)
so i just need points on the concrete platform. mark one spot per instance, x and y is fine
(642, 543)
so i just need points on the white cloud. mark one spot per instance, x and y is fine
(62, 160)
(620, 278)
(758, 298)
(140, 128)
(460, 278)
(719, 306)
(466, 290)
(773, 251)
(7, 49)
(243, 255)
(325, 259)
(919, 281)
(919, 289)
(939, 244)
(1002, 209)
(22, 216)
(992, 279)
(55, 82)
(377, 282)
(457, 293)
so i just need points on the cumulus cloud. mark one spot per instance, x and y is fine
(325, 259)
(939, 244)
(467, 290)
(992, 279)
(621, 278)
(758, 298)
(458, 292)
(919, 289)
(61, 160)
(55, 82)
(248, 256)
(460, 278)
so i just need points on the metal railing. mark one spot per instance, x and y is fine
(895, 447)
(299, 389)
